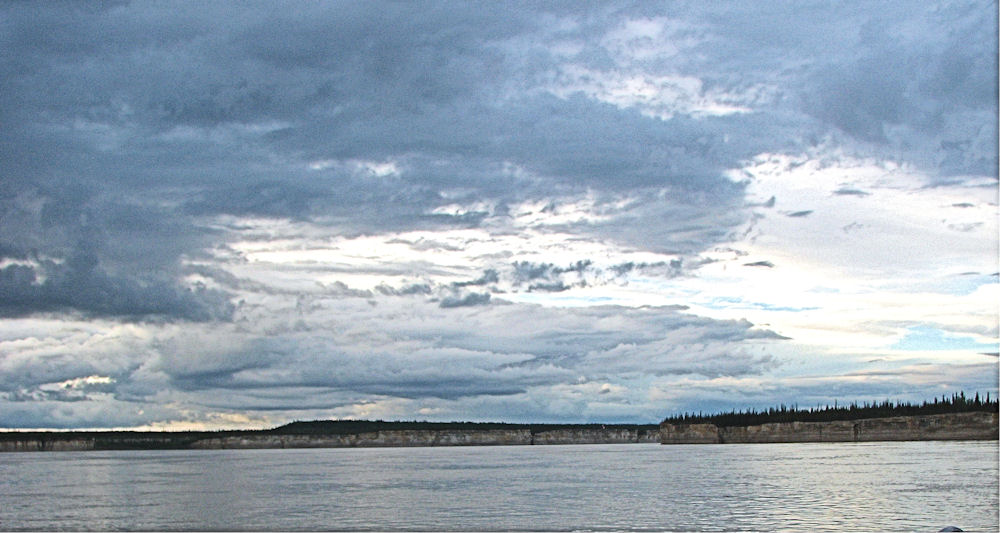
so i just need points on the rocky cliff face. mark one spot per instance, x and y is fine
(689, 434)
(595, 436)
(958, 426)
(394, 438)
(962, 426)
(40, 445)
(519, 437)
(385, 438)
(70, 443)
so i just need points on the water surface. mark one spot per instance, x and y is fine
(903, 486)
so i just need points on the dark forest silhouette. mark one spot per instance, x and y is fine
(957, 403)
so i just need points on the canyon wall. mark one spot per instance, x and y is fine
(956, 426)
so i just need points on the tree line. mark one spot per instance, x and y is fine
(956, 403)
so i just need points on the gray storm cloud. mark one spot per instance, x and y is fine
(410, 348)
(141, 144)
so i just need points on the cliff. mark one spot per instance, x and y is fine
(403, 438)
(40, 441)
(955, 426)
(386, 438)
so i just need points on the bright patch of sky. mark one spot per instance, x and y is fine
(926, 338)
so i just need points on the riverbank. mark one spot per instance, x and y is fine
(359, 434)
(951, 426)
(331, 435)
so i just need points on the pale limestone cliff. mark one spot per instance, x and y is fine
(957, 426)
(383, 438)
(689, 434)
(595, 436)
(388, 438)
(37, 445)
(962, 426)
(71, 443)
(402, 438)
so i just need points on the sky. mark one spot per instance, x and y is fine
(240, 214)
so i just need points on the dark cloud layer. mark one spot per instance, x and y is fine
(472, 298)
(414, 350)
(141, 142)
(79, 285)
(159, 117)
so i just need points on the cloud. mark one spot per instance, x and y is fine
(547, 277)
(402, 348)
(254, 105)
(844, 191)
(489, 276)
(472, 298)
(79, 284)
(416, 288)
(335, 202)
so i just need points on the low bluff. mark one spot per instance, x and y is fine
(349, 434)
(954, 426)
(417, 437)
(69, 441)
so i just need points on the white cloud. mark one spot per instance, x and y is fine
(655, 96)
(363, 168)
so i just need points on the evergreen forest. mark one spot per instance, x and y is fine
(956, 403)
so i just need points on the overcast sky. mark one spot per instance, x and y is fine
(227, 215)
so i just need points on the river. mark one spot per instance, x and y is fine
(883, 486)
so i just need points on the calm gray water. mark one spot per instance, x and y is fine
(907, 486)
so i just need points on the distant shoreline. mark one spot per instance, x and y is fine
(974, 425)
(366, 434)
(336, 434)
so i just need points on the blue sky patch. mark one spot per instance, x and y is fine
(925, 338)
